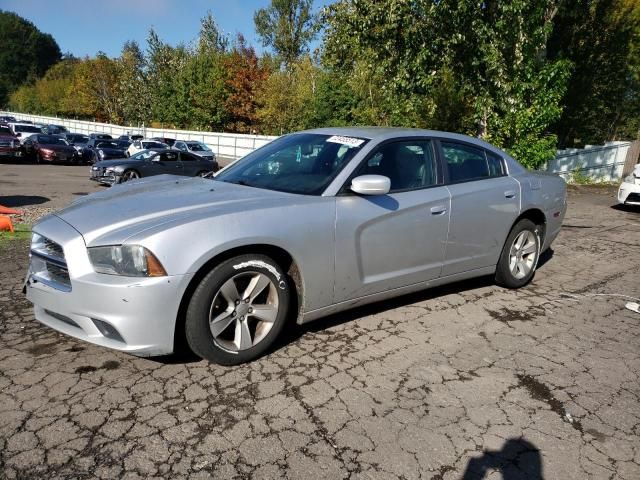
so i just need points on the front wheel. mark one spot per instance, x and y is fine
(238, 310)
(129, 175)
(520, 255)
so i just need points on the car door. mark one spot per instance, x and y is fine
(168, 162)
(191, 165)
(485, 202)
(390, 241)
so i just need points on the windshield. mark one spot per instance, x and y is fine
(153, 145)
(4, 130)
(143, 155)
(302, 163)
(198, 147)
(78, 138)
(107, 145)
(27, 128)
(51, 140)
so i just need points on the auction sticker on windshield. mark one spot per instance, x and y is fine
(351, 142)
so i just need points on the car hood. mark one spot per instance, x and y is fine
(112, 215)
(58, 148)
(117, 162)
(112, 151)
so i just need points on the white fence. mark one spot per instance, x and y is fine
(601, 163)
(230, 145)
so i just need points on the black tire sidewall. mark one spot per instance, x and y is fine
(504, 277)
(198, 334)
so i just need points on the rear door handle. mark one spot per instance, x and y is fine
(438, 210)
(510, 194)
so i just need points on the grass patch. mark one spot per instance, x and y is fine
(22, 232)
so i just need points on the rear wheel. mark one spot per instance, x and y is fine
(238, 310)
(520, 255)
(129, 175)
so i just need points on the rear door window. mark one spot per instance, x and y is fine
(467, 163)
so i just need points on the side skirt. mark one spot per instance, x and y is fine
(396, 292)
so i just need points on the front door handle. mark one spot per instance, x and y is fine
(438, 210)
(510, 194)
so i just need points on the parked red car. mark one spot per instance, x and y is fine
(49, 148)
(9, 143)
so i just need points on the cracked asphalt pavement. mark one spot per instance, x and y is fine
(467, 381)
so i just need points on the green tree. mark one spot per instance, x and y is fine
(133, 94)
(602, 40)
(26, 53)
(287, 26)
(487, 56)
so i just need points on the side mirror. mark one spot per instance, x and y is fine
(19, 134)
(371, 185)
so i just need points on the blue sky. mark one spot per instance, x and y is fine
(84, 27)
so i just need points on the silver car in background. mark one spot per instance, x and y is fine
(313, 223)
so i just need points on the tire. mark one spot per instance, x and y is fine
(129, 175)
(517, 264)
(238, 335)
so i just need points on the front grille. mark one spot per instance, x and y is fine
(633, 197)
(52, 249)
(62, 318)
(48, 264)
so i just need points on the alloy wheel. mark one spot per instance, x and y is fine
(523, 254)
(243, 311)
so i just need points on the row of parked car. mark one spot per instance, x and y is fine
(114, 159)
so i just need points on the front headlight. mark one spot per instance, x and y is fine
(630, 179)
(126, 260)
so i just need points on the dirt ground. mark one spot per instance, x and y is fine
(467, 381)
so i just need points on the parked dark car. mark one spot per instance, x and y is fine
(9, 144)
(151, 162)
(52, 129)
(107, 150)
(195, 147)
(49, 148)
(99, 149)
(100, 136)
(131, 138)
(7, 118)
(77, 140)
(168, 141)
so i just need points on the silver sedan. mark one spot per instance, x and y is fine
(311, 224)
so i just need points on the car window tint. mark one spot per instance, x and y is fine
(168, 156)
(496, 165)
(467, 163)
(186, 157)
(408, 165)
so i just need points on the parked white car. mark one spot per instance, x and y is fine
(24, 130)
(629, 191)
(139, 145)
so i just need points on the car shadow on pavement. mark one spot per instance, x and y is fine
(22, 200)
(290, 335)
(518, 459)
(626, 208)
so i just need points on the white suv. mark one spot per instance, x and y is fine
(629, 191)
(140, 145)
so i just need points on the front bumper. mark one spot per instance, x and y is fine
(102, 176)
(629, 193)
(130, 314)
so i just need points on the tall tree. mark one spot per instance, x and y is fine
(287, 26)
(602, 40)
(490, 53)
(26, 53)
(246, 79)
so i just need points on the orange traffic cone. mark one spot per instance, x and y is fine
(5, 223)
(9, 211)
